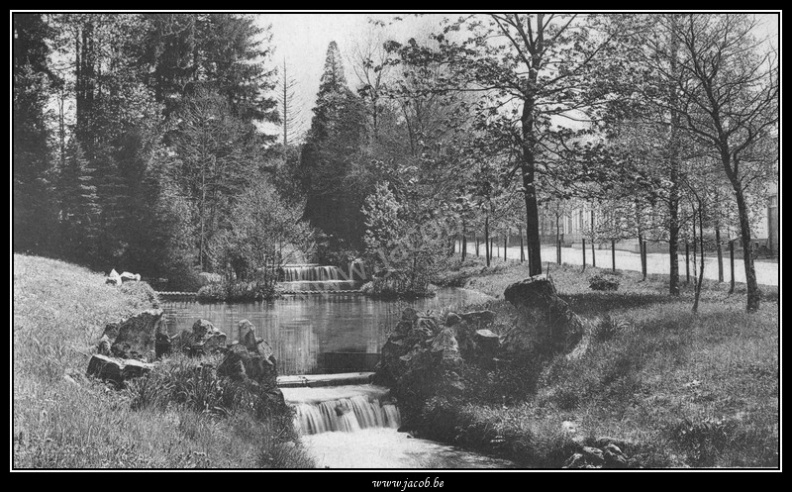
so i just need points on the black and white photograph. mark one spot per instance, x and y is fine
(413, 244)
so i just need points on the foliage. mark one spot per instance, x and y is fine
(603, 282)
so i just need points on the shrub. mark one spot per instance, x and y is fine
(237, 292)
(603, 282)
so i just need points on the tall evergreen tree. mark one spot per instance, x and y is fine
(34, 211)
(337, 133)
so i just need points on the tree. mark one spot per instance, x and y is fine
(33, 173)
(730, 94)
(288, 104)
(332, 148)
(539, 68)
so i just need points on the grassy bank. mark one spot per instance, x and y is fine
(63, 420)
(677, 389)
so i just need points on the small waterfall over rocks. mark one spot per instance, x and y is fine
(311, 277)
(341, 408)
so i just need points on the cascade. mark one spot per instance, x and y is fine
(341, 409)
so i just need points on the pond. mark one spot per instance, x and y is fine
(317, 334)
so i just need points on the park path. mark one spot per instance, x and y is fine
(657, 263)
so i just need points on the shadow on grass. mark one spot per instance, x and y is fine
(596, 303)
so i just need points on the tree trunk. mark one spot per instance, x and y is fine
(754, 296)
(522, 245)
(505, 245)
(645, 262)
(687, 261)
(720, 252)
(475, 238)
(701, 272)
(584, 255)
(731, 262)
(528, 171)
(613, 254)
(487, 250)
(593, 252)
(674, 161)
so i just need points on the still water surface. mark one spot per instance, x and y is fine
(316, 334)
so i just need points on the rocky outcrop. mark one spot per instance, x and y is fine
(547, 326)
(250, 359)
(602, 453)
(424, 343)
(203, 339)
(113, 278)
(116, 371)
(133, 338)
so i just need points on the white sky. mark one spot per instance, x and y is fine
(302, 39)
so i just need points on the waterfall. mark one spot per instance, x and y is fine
(310, 273)
(345, 415)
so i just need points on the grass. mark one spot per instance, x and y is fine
(180, 417)
(678, 389)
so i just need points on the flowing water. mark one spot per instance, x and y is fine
(356, 427)
(316, 334)
(344, 426)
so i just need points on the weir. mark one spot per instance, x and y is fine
(311, 277)
(341, 408)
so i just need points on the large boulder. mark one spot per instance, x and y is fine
(133, 338)
(240, 364)
(547, 325)
(116, 371)
(203, 339)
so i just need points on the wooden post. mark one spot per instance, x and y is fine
(584, 255)
(731, 263)
(687, 261)
(613, 254)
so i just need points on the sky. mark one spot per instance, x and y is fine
(302, 40)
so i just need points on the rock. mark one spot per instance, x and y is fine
(127, 277)
(103, 347)
(162, 345)
(240, 364)
(116, 371)
(133, 338)
(614, 458)
(568, 427)
(479, 318)
(574, 462)
(246, 335)
(446, 343)
(488, 344)
(547, 325)
(203, 339)
(113, 278)
(593, 456)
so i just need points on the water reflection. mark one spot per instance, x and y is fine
(314, 334)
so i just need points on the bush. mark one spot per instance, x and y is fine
(603, 282)
(237, 292)
(396, 288)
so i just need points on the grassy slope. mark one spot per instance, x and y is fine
(688, 390)
(59, 312)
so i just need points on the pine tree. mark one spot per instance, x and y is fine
(336, 136)
(34, 210)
